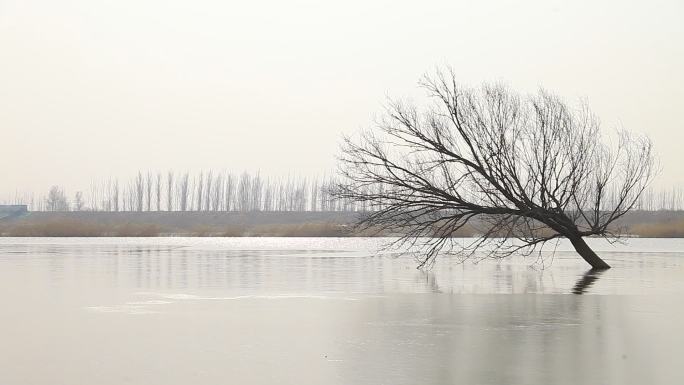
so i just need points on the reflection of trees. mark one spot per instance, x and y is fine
(586, 280)
(294, 271)
(247, 271)
(317, 272)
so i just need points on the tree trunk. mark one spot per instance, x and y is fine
(588, 254)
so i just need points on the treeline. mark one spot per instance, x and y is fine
(666, 199)
(203, 191)
(225, 191)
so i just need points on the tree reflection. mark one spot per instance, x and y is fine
(586, 281)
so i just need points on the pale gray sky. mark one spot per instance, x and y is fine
(99, 88)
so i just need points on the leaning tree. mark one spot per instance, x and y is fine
(521, 170)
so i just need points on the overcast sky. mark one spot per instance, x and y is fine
(95, 88)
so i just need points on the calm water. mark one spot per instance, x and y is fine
(332, 311)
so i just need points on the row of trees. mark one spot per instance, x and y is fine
(212, 191)
(203, 191)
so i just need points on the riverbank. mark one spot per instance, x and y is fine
(650, 224)
(197, 224)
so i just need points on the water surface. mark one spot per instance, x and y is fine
(333, 311)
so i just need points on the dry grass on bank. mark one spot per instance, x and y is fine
(268, 230)
(666, 229)
(73, 228)
(656, 225)
(297, 230)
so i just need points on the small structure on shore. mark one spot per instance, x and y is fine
(12, 210)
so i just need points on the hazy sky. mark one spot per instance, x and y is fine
(95, 88)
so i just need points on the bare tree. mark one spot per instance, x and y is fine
(78, 201)
(158, 191)
(268, 195)
(139, 192)
(280, 197)
(523, 170)
(256, 192)
(230, 192)
(183, 187)
(57, 200)
(115, 196)
(93, 197)
(313, 197)
(207, 191)
(169, 191)
(148, 191)
(217, 193)
(200, 184)
(243, 193)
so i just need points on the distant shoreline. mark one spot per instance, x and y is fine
(647, 224)
(175, 223)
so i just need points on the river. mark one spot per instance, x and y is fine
(170, 311)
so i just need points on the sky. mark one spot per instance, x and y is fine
(92, 89)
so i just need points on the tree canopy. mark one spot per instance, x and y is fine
(526, 169)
